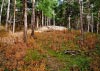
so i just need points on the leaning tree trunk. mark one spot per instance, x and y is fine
(33, 18)
(25, 19)
(8, 10)
(1, 10)
(14, 16)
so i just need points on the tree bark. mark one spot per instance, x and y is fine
(14, 16)
(78, 23)
(33, 18)
(8, 10)
(42, 19)
(92, 27)
(88, 19)
(47, 21)
(69, 25)
(54, 21)
(25, 19)
(98, 24)
(88, 26)
(81, 22)
(81, 19)
(37, 22)
(1, 10)
(98, 28)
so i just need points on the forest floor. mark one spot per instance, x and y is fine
(50, 50)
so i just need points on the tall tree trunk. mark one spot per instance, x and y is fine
(97, 27)
(10, 22)
(1, 10)
(42, 19)
(33, 18)
(8, 10)
(88, 16)
(88, 26)
(14, 16)
(37, 22)
(25, 19)
(69, 25)
(81, 19)
(88, 19)
(98, 24)
(54, 21)
(92, 27)
(47, 21)
(81, 22)
(78, 23)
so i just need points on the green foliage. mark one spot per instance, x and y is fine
(63, 11)
(32, 55)
(18, 4)
(47, 6)
(80, 61)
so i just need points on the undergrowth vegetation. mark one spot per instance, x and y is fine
(46, 52)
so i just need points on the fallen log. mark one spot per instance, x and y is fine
(72, 52)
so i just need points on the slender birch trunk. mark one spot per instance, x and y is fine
(14, 16)
(8, 10)
(81, 19)
(88, 26)
(1, 10)
(88, 18)
(92, 27)
(37, 22)
(69, 25)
